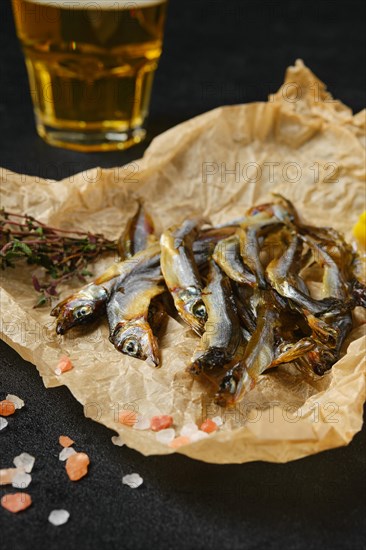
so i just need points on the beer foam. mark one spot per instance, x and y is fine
(98, 4)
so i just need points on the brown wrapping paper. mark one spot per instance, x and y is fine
(301, 143)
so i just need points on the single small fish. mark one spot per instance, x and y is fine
(89, 303)
(258, 355)
(249, 236)
(227, 256)
(181, 273)
(128, 314)
(223, 334)
(282, 273)
(137, 235)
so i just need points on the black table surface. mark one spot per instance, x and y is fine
(216, 52)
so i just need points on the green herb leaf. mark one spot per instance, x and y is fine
(19, 245)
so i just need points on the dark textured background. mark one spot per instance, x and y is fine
(216, 52)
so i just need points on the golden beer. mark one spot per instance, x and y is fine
(91, 66)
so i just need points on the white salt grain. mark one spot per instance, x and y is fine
(3, 423)
(117, 440)
(58, 517)
(58, 371)
(66, 453)
(189, 429)
(143, 423)
(18, 403)
(218, 421)
(132, 480)
(198, 436)
(25, 462)
(165, 436)
(21, 480)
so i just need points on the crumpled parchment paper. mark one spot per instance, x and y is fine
(301, 143)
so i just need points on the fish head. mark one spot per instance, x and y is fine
(210, 359)
(261, 210)
(234, 385)
(191, 308)
(76, 310)
(321, 359)
(136, 339)
(282, 209)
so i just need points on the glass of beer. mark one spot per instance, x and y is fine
(91, 66)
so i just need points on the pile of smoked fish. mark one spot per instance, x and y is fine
(241, 286)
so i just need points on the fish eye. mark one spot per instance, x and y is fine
(228, 384)
(232, 385)
(131, 347)
(199, 310)
(285, 347)
(82, 311)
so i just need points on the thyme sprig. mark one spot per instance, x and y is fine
(62, 253)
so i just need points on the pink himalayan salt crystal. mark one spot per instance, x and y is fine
(7, 408)
(208, 426)
(7, 475)
(16, 502)
(65, 441)
(179, 442)
(162, 422)
(77, 466)
(64, 365)
(127, 418)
